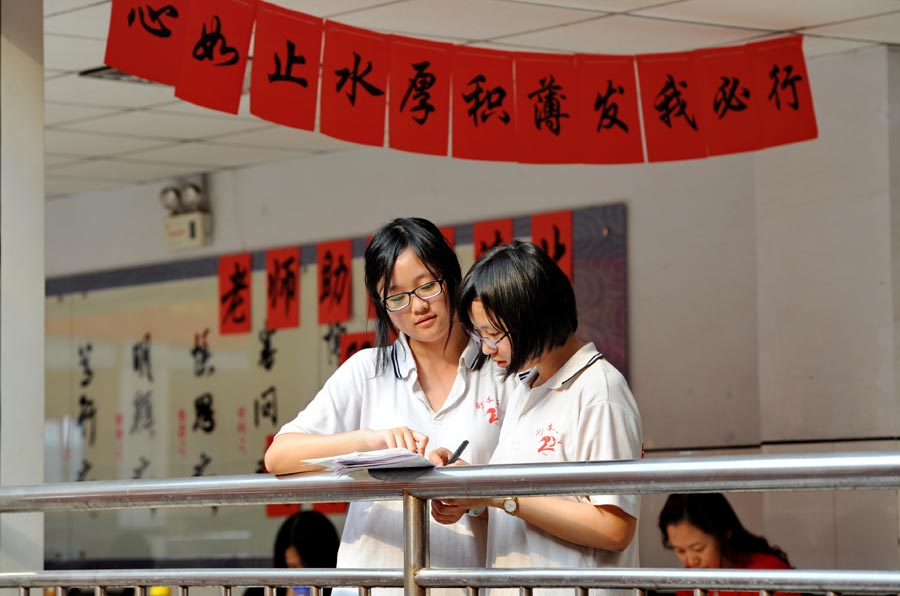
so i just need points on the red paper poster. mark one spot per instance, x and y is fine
(283, 288)
(235, 273)
(787, 115)
(419, 112)
(553, 233)
(335, 262)
(488, 234)
(608, 110)
(144, 40)
(484, 106)
(670, 101)
(449, 233)
(284, 80)
(354, 83)
(214, 53)
(351, 343)
(731, 99)
(274, 509)
(327, 508)
(547, 93)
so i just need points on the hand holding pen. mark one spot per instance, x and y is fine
(458, 452)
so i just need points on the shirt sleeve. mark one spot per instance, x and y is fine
(337, 407)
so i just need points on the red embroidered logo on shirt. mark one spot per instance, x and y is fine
(488, 407)
(548, 439)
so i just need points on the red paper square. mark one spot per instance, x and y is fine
(354, 84)
(235, 280)
(449, 233)
(547, 93)
(284, 81)
(419, 112)
(146, 41)
(351, 343)
(488, 234)
(335, 261)
(283, 288)
(553, 233)
(484, 108)
(608, 110)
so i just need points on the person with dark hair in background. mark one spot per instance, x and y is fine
(571, 405)
(705, 533)
(305, 539)
(429, 386)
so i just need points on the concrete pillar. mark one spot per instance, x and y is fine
(21, 275)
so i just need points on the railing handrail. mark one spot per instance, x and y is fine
(877, 470)
(807, 580)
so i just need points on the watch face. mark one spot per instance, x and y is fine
(510, 506)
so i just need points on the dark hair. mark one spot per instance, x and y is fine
(712, 514)
(525, 294)
(314, 537)
(429, 245)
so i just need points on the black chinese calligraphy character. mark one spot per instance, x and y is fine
(671, 102)
(282, 283)
(200, 466)
(234, 297)
(419, 85)
(261, 467)
(334, 279)
(355, 347)
(333, 340)
(201, 354)
(87, 415)
(267, 354)
(84, 361)
(559, 249)
(290, 60)
(728, 97)
(357, 78)
(152, 22)
(790, 82)
(609, 108)
(143, 413)
(266, 406)
(204, 415)
(498, 240)
(548, 105)
(140, 358)
(209, 42)
(484, 103)
(138, 472)
(86, 467)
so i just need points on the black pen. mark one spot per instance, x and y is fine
(458, 452)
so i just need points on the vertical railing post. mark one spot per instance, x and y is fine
(415, 542)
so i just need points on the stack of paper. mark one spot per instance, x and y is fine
(396, 457)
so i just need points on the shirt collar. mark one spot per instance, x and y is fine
(403, 362)
(574, 366)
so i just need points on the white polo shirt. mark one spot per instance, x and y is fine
(355, 397)
(585, 412)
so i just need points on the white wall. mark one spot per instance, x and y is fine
(761, 286)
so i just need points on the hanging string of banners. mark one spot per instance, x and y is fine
(494, 105)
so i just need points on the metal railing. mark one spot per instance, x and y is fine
(415, 487)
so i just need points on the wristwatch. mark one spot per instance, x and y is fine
(511, 505)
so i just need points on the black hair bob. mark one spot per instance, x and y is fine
(525, 294)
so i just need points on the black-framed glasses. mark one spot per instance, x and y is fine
(490, 343)
(426, 291)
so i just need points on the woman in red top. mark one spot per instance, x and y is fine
(705, 533)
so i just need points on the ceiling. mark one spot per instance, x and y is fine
(103, 134)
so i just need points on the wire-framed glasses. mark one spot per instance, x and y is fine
(426, 291)
(490, 343)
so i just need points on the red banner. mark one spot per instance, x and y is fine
(488, 234)
(547, 94)
(419, 112)
(351, 343)
(235, 276)
(283, 288)
(787, 112)
(335, 261)
(731, 100)
(484, 114)
(671, 105)
(354, 83)
(146, 41)
(214, 53)
(553, 233)
(284, 81)
(608, 106)
(449, 233)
